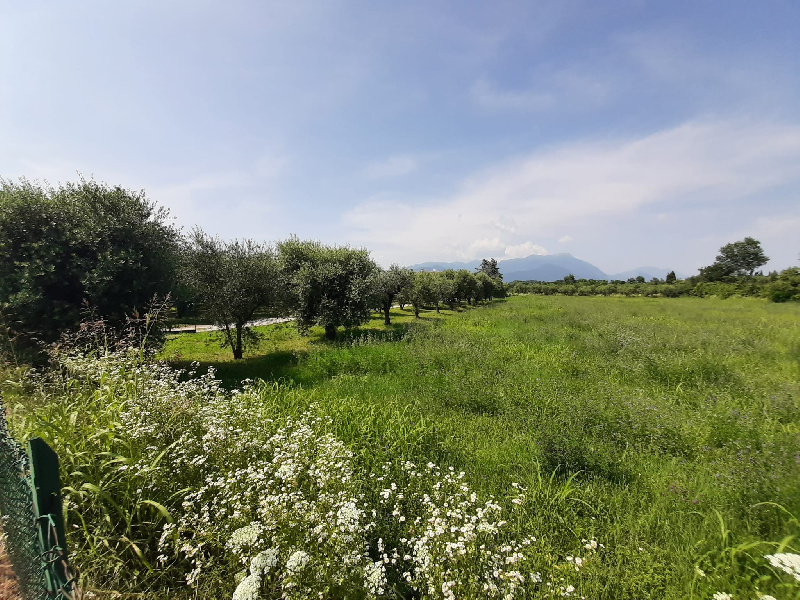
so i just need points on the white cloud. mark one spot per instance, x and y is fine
(523, 250)
(394, 166)
(564, 239)
(696, 164)
(480, 247)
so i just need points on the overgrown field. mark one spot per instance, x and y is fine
(541, 446)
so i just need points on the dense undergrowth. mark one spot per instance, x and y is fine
(600, 448)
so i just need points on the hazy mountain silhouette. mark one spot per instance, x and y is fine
(545, 267)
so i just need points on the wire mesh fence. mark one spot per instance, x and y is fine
(31, 518)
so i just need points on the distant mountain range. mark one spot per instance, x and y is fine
(548, 267)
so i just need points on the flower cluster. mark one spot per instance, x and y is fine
(786, 562)
(294, 516)
(277, 499)
(451, 544)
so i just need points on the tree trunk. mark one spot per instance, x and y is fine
(386, 306)
(238, 351)
(437, 306)
(330, 332)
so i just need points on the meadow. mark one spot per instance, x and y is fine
(595, 447)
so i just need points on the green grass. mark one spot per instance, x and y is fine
(667, 429)
(281, 346)
(666, 409)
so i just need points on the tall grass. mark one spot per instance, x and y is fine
(666, 430)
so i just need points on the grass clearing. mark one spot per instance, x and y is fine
(666, 429)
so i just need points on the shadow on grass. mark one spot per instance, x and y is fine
(269, 367)
(288, 365)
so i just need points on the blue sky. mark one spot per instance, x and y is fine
(625, 132)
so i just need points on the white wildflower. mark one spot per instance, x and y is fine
(786, 562)
(297, 561)
(264, 561)
(249, 588)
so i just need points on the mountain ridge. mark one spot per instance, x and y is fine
(546, 267)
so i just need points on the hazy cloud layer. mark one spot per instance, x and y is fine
(705, 164)
(624, 132)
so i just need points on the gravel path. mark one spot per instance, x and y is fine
(256, 323)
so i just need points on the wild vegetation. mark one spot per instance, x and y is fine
(633, 447)
(443, 445)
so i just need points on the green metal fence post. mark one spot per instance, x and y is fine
(46, 488)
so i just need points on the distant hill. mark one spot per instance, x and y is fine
(647, 272)
(547, 267)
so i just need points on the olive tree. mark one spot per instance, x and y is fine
(467, 285)
(231, 280)
(388, 285)
(421, 290)
(330, 286)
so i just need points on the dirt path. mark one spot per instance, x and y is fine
(8, 582)
(200, 328)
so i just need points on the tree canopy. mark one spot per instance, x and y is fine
(80, 245)
(388, 284)
(736, 259)
(489, 266)
(743, 257)
(330, 286)
(232, 280)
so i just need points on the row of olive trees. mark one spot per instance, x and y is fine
(89, 247)
(316, 284)
(328, 286)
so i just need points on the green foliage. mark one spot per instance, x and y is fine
(778, 287)
(387, 285)
(736, 259)
(665, 430)
(490, 268)
(84, 244)
(786, 286)
(232, 280)
(466, 285)
(330, 286)
(421, 290)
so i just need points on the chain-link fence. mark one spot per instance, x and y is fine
(32, 521)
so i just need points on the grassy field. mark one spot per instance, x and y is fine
(666, 429)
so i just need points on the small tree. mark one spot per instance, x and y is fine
(490, 268)
(231, 280)
(486, 286)
(420, 291)
(388, 285)
(466, 285)
(736, 259)
(671, 277)
(330, 286)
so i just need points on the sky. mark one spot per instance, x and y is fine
(627, 133)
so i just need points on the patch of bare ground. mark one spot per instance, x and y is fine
(9, 590)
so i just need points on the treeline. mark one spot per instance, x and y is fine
(733, 273)
(780, 286)
(89, 251)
